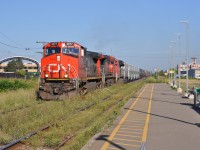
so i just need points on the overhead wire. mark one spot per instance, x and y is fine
(6, 52)
(21, 46)
(11, 39)
(11, 45)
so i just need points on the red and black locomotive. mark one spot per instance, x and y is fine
(68, 66)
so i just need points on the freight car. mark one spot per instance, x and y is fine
(129, 72)
(68, 66)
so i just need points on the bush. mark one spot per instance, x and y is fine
(22, 73)
(14, 84)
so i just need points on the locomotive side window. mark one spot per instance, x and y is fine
(50, 50)
(70, 50)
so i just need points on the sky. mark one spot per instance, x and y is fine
(135, 31)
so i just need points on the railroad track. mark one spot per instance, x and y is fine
(18, 108)
(45, 127)
(27, 106)
(68, 137)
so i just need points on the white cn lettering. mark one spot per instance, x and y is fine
(52, 65)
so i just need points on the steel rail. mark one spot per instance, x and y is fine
(14, 142)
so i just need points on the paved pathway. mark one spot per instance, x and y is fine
(157, 118)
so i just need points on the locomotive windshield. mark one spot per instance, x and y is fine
(52, 50)
(70, 50)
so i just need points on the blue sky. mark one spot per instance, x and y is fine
(136, 31)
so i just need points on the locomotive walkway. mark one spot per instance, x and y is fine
(156, 119)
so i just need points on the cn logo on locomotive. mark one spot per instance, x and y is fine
(52, 66)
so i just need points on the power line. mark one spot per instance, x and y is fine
(21, 46)
(11, 45)
(11, 39)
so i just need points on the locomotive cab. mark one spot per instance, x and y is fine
(62, 60)
(60, 69)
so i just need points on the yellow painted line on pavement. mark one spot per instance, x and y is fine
(124, 128)
(137, 121)
(136, 118)
(130, 126)
(137, 113)
(127, 140)
(128, 145)
(139, 116)
(133, 136)
(113, 148)
(144, 137)
(106, 144)
(129, 132)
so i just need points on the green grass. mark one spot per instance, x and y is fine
(67, 120)
(17, 99)
(157, 79)
(191, 83)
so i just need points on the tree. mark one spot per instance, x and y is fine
(161, 73)
(14, 65)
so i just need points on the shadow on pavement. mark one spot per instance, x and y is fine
(176, 94)
(104, 138)
(182, 121)
(192, 107)
(156, 100)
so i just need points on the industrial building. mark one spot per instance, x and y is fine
(194, 69)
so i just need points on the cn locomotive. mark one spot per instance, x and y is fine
(69, 66)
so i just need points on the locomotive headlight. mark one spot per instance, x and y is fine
(46, 75)
(66, 76)
(58, 58)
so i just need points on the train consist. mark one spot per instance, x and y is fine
(68, 66)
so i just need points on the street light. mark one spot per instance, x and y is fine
(179, 90)
(174, 62)
(169, 69)
(187, 50)
(171, 47)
